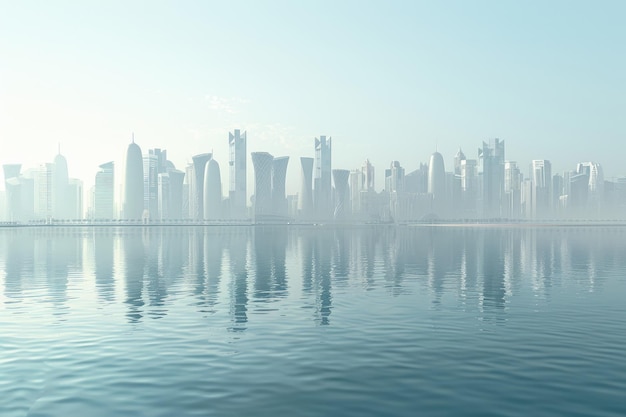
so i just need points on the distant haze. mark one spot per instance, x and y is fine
(386, 80)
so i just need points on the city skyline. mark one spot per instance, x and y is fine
(491, 186)
(419, 77)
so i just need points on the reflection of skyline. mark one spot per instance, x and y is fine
(477, 269)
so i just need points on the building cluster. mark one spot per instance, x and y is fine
(489, 187)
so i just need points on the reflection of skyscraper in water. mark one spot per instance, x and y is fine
(439, 262)
(156, 285)
(307, 244)
(103, 257)
(322, 268)
(263, 263)
(58, 250)
(17, 245)
(238, 254)
(270, 243)
(493, 295)
(213, 255)
(134, 262)
(341, 258)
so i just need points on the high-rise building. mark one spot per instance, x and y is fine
(322, 182)
(60, 184)
(13, 191)
(237, 195)
(306, 192)
(75, 199)
(212, 191)
(492, 157)
(154, 163)
(512, 190)
(103, 198)
(172, 197)
(133, 183)
(458, 158)
(262, 162)
(197, 191)
(43, 192)
(279, 176)
(469, 188)
(437, 183)
(342, 200)
(541, 189)
(369, 182)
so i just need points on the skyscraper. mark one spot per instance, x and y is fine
(154, 163)
(342, 200)
(237, 163)
(541, 189)
(492, 157)
(262, 162)
(60, 188)
(103, 197)
(171, 194)
(279, 175)
(212, 191)
(437, 183)
(12, 187)
(322, 196)
(306, 191)
(133, 183)
(199, 164)
(43, 192)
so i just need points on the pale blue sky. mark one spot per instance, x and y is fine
(387, 80)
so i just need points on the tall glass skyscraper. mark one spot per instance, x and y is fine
(437, 183)
(133, 183)
(306, 191)
(237, 194)
(197, 191)
(103, 195)
(279, 177)
(492, 157)
(212, 191)
(262, 162)
(60, 188)
(322, 182)
(342, 200)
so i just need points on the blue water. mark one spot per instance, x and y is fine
(311, 321)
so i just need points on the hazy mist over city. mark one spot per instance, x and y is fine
(388, 82)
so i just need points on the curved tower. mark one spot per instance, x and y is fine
(212, 191)
(199, 163)
(437, 182)
(340, 177)
(262, 162)
(133, 183)
(279, 176)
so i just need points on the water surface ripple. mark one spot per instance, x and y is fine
(312, 321)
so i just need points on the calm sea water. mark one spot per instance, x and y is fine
(309, 321)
